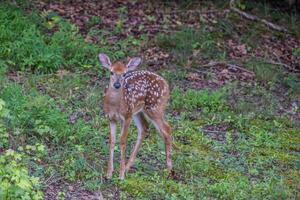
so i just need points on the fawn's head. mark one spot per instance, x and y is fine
(118, 69)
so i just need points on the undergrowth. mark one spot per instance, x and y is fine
(25, 47)
(188, 41)
(49, 43)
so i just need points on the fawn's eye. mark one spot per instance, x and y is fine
(111, 73)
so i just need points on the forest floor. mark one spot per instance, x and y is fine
(234, 107)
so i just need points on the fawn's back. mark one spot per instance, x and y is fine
(145, 90)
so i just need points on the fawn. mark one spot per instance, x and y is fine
(138, 95)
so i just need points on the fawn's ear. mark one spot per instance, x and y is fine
(104, 60)
(133, 63)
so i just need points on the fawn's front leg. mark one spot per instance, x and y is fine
(112, 141)
(124, 134)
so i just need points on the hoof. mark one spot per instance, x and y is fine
(109, 175)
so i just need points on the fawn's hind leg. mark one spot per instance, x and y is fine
(165, 131)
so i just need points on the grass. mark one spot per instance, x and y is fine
(187, 41)
(254, 155)
(193, 99)
(34, 118)
(229, 143)
(25, 47)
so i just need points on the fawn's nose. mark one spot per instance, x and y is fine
(117, 85)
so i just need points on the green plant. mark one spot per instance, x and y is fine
(61, 195)
(35, 119)
(25, 47)
(192, 99)
(22, 45)
(183, 42)
(252, 100)
(3, 132)
(15, 181)
(293, 83)
(266, 73)
(225, 28)
(36, 116)
(75, 166)
(174, 78)
(74, 50)
(94, 20)
(129, 46)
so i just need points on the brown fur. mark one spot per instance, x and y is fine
(118, 67)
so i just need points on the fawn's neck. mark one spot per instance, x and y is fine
(114, 96)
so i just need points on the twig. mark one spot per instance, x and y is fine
(50, 182)
(45, 182)
(199, 71)
(255, 18)
(214, 63)
(195, 11)
(240, 68)
(212, 131)
(288, 67)
(156, 27)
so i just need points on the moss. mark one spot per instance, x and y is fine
(137, 186)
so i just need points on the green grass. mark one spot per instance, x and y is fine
(256, 170)
(26, 47)
(194, 99)
(35, 118)
(188, 41)
(253, 159)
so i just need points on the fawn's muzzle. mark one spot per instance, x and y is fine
(117, 85)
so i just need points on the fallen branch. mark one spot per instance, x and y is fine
(52, 179)
(213, 131)
(156, 27)
(288, 67)
(214, 63)
(254, 18)
(195, 11)
(199, 71)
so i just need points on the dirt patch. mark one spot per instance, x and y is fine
(137, 17)
(216, 76)
(15, 76)
(281, 51)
